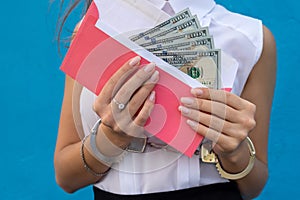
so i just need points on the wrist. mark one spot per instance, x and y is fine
(103, 149)
(108, 142)
(120, 141)
(237, 160)
(236, 156)
(235, 172)
(91, 165)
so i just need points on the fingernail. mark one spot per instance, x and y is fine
(197, 91)
(154, 76)
(192, 123)
(148, 68)
(187, 100)
(184, 110)
(134, 61)
(152, 96)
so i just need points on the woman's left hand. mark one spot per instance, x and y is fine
(220, 116)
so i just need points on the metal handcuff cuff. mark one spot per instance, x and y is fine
(208, 156)
(138, 145)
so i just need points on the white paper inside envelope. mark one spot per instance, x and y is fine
(130, 17)
(229, 67)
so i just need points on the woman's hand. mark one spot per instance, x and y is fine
(126, 101)
(220, 116)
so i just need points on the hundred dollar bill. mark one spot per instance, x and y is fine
(204, 66)
(186, 13)
(202, 32)
(189, 24)
(199, 44)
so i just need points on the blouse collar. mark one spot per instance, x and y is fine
(199, 7)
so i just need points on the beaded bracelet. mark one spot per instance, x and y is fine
(86, 166)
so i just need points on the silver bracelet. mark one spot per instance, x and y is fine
(108, 160)
(86, 166)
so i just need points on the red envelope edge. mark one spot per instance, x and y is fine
(83, 64)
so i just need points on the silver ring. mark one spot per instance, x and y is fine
(121, 106)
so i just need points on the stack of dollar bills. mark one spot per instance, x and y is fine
(184, 44)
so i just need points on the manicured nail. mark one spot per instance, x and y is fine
(148, 68)
(135, 61)
(154, 76)
(193, 124)
(152, 96)
(187, 100)
(184, 110)
(197, 91)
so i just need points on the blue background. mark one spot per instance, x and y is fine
(32, 90)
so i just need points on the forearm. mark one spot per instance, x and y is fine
(69, 167)
(71, 174)
(252, 184)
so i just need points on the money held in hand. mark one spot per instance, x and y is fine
(204, 66)
(184, 44)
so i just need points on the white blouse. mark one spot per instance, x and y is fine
(159, 170)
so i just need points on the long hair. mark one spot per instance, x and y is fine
(64, 14)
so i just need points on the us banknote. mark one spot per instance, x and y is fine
(200, 44)
(185, 14)
(204, 66)
(181, 37)
(189, 24)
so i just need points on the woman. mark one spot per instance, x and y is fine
(230, 120)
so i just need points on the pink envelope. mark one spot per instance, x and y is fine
(94, 56)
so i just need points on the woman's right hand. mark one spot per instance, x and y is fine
(127, 99)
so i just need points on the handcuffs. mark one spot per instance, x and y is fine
(138, 145)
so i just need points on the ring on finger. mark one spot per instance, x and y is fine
(121, 106)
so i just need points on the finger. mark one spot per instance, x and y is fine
(224, 143)
(233, 130)
(215, 108)
(142, 93)
(208, 120)
(221, 96)
(118, 79)
(145, 111)
(206, 132)
(136, 81)
(125, 116)
(136, 127)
